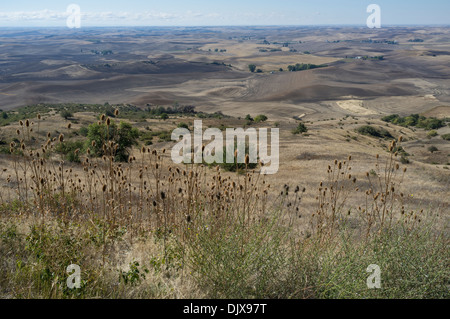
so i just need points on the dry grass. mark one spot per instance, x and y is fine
(148, 228)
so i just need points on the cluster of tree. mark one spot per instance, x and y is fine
(175, 109)
(103, 52)
(415, 120)
(380, 41)
(221, 63)
(257, 119)
(217, 50)
(379, 57)
(302, 67)
(374, 132)
(252, 68)
(270, 50)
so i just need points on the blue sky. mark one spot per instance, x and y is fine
(216, 12)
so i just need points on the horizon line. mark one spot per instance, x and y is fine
(228, 26)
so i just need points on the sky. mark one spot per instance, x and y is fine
(27, 13)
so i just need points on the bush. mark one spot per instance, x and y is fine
(252, 67)
(83, 131)
(261, 118)
(183, 125)
(415, 120)
(432, 149)
(302, 67)
(374, 132)
(432, 133)
(71, 150)
(301, 128)
(66, 114)
(124, 136)
(446, 137)
(235, 166)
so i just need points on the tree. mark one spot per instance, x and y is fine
(261, 118)
(164, 116)
(127, 136)
(249, 119)
(4, 115)
(252, 67)
(433, 149)
(301, 128)
(124, 136)
(65, 114)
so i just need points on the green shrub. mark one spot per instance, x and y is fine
(374, 132)
(183, 125)
(261, 118)
(432, 149)
(446, 137)
(70, 150)
(66, 114)
(301, 128)
(124, 136)
(415, 120)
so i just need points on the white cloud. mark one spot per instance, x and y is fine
(49, 15)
